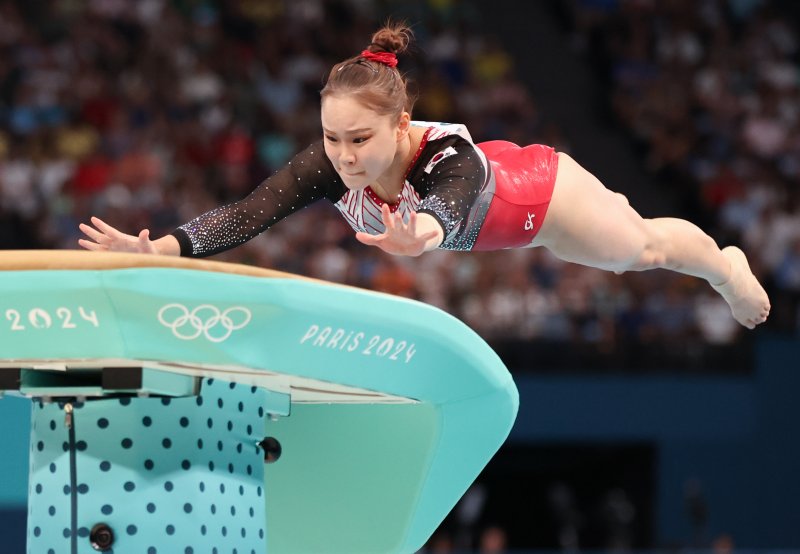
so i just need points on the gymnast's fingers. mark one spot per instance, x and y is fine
(146, 246)
(92, 233)
(429, 235)
(105, 227)
(399, 223)
(386, 216)
(370, 240)
(89, 245)
(412, 223)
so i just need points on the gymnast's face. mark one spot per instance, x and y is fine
(360, 143)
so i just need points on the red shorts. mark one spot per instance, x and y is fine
(524, 182)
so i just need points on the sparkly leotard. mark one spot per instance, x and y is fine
(487, 196)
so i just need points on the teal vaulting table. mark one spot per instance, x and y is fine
(189, 406)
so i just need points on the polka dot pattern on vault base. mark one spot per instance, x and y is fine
(167, 475)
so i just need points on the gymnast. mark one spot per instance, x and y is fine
(409, 186)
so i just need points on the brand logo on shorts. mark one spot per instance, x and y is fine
(205, 319)
(529, 222)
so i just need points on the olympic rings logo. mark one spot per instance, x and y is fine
(205, 319)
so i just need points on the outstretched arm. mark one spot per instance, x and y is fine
(420, 234)
(308, 177)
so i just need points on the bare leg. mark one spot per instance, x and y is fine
(588, 224)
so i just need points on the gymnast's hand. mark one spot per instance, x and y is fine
(107, 238)
(404, 239)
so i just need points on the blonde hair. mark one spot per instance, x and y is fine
(376, 85)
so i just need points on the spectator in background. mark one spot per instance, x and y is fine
(493, 540)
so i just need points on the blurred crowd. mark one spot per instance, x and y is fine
(710, 91)
(149, 113)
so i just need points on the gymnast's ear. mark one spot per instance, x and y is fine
(403, 125)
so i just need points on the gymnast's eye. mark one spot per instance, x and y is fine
(360, 140)
(330, 138)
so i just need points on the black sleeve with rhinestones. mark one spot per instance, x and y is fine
(450, 187)
(307, 178)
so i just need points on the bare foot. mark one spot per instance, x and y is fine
(747, 298)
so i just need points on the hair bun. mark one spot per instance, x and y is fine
(392, 37)
(362, 78)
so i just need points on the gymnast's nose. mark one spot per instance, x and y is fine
(347, 156)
